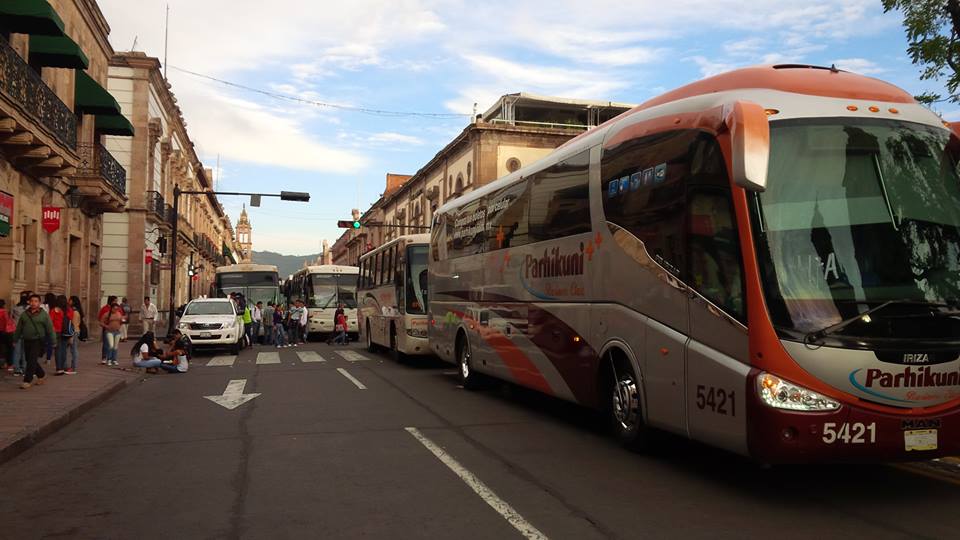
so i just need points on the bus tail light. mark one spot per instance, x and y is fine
(781, 394)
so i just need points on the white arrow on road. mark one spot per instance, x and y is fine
(233, 396)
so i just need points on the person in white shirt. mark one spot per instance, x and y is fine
(256, 315)
(148, 314)
(304, 318)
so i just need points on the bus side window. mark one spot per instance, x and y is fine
(508, 217)
(376, 269)
(560, 199)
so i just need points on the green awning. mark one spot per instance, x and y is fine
(91, 98)
(30, 17)
(113, 124)
(57, 51)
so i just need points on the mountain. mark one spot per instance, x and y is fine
(286, 264)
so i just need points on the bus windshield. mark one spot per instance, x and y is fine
(254, 286)
(858, 212)
(416, 279)
(329, 290)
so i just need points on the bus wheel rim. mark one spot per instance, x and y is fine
(465, 361)
(626, 402)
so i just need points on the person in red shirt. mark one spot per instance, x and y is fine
(103, 332)
(62, 318)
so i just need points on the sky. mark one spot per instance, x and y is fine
(437, 59)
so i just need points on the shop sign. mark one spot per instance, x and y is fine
(6, 213)
(51, 218)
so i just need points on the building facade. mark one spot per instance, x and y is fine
(138, 240)
(516, 131)
(56, 176)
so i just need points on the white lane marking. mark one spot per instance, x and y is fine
(233, 395)
(268, 358)
(310, 356)
(222, 360)
(352, 356)
(481, 489)
(352, 378)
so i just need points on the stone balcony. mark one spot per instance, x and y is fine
(101, 179)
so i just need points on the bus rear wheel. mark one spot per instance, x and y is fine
(624, 408)
(468, 378)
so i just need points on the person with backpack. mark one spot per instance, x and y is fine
(35, 329)
(76, 318)
(268, 331)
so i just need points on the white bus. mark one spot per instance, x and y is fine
(766, 261)
(393, 296)
(323, 288)
(256, 282)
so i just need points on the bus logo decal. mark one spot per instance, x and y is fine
(554, 264)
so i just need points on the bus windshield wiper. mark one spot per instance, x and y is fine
(865, 317)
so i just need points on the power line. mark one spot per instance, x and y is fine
(287, 97)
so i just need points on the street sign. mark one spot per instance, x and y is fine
(233, 396)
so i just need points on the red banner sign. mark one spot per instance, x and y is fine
(148, 257)
(6, 213)
(51, 218)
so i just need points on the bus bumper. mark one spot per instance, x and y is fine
(849, 434)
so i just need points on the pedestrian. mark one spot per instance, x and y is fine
(7, 327)
(340, 326)
(127, 310)
(104, 310)
(111, 323)
(247, 325)
(62, 321)
(73, 305)
(256, 315)
(304, 320)
(34, 328)
(179, 353)
(268, 337)
(19, 360)
(280, 333)
(48, 301)
(293, 324)
(148, 314)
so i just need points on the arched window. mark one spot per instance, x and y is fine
(469, 172)
(459, 190)
(513, 164)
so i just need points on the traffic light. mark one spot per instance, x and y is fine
(298, 196)
(348, 224)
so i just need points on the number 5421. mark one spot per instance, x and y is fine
(845, 433)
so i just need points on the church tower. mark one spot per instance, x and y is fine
(244, 239)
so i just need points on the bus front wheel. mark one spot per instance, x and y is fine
(395, 353)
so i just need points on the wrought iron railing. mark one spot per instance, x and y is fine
(96, 161)
(22, 85)
(155, 204)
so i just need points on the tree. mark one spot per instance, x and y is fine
(933, 32)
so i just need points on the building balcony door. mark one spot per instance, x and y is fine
(75, 270)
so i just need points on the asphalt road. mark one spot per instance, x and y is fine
(412, 455)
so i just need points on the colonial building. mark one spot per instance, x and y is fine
(56, 176)
(138, 239)
(516, 131)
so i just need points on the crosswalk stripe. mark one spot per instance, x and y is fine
(310, 356)
(222, 360)
(268, 358)
(352, 356)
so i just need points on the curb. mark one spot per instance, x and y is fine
(34, 436)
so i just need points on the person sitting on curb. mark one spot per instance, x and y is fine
(178, 354)
(147, 355)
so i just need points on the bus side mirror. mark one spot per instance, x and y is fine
(749, 144)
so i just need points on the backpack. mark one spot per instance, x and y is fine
(68, 329)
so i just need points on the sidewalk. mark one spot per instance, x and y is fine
(27, 416)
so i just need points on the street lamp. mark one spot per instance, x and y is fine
(73, 197)
(297, 196)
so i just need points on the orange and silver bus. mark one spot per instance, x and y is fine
(323, 288)
(767, 261)
(393, 296)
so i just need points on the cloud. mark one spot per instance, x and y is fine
(709, 68)
(859, 65)
(394, 138)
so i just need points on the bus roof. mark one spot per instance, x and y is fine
(787, 86)
(246, 268)
(328, 269)
(423, 238)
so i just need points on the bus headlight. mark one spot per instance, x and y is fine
(781, 394)
(417, 332)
